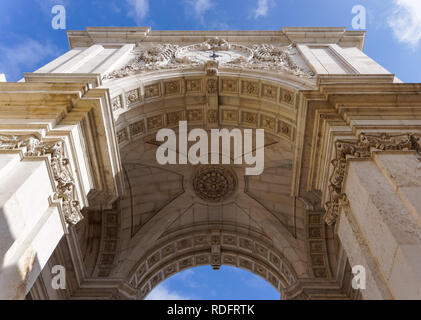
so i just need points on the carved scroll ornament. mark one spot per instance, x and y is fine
(265, 57)
(362, 148)
(66, 189)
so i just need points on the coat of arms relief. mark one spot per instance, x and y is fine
(264, 57)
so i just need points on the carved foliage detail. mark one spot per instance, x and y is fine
(65, 184)
(362, 148)
(264, 57)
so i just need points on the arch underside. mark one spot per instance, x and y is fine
(161, 226)
(215, 245)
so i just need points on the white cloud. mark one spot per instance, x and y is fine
(200, 7)
(139, 9)
(24, 57)
(406, 21)
(262, 9)
(161, 292)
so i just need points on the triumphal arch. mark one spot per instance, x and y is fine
(81, 189)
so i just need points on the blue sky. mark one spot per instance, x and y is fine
(27, 42)
(203, 283)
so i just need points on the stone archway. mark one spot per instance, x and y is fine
(210, 245)
(153, 228)
(146, 103)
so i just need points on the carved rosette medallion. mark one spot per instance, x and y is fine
(214, 183)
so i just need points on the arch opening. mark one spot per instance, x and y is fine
(203, 283)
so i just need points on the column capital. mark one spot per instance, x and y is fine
(33, 146)
(363, 147)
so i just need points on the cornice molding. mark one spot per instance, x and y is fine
(116, 36)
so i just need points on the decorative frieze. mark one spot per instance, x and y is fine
(265, 57)
(211, 249)
(362, 148)
(60, 166)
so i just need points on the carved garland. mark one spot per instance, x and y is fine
(362, 148)
(65, 184)
(264, 57)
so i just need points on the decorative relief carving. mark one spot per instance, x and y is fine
(195, 115)
(214, 183)
(362, 148)
(60, 166)
(229, 86)
(152, 91)
(230, 116)
(202, 260)
(122, 136)
(264, 57)
(193, 85)
(317, 245)
(133, 96)
(173, 118)
(155, 122)
(269, 92)
(116, 103)
(185, 263)
(212, 116)
(285, 129)
(273, 59)
(250, 88)
(109, 242)
(208, 249)
(137, 128)
(287, 97)
(172, 88)
(268, 123)
(249, 118)
(212, 86)
(170, 270)
(211, 68)
(156, 57)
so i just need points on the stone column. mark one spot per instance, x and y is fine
(37, 201)
(375, 191)
(58, 156)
